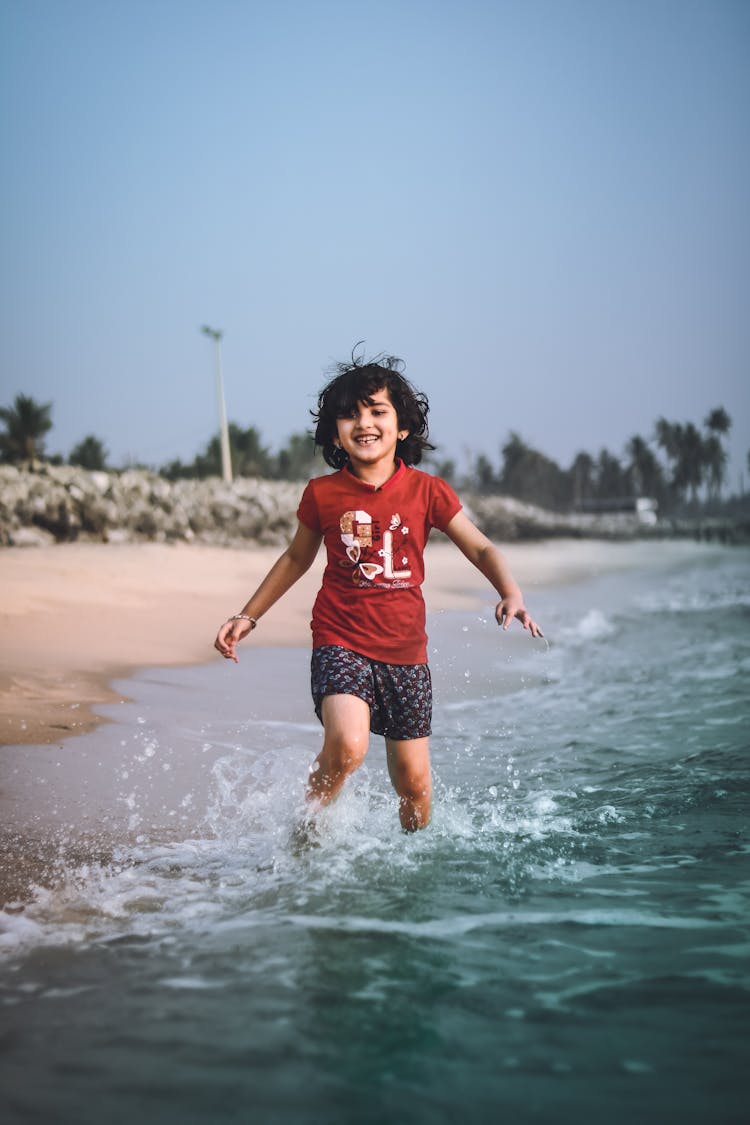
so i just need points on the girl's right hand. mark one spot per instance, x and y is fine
(229, 635)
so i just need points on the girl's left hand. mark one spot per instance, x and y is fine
(228, 637)
(511, 607)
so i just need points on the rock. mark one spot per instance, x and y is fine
(101, 481)
(30, 537)
(117, 535)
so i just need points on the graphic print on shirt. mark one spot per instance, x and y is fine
(358, 533)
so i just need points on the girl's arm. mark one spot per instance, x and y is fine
(295, 561)
(493, 565)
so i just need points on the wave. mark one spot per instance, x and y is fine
(497, 838)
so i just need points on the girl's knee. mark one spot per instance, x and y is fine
(409, 769)
(344, 754)
(346, 725)
(412, 784)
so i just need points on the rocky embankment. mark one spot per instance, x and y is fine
(42, 503)
(503, 519)
(59, 503)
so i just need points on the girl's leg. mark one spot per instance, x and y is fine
(409, 770)
(346, 726)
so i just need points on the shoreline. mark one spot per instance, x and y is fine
(77, 617)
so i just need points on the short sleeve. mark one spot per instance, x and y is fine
(307, 512)
(444, 504)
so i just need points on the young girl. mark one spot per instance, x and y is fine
(369, 660)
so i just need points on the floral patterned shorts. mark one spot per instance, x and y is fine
(399, 695)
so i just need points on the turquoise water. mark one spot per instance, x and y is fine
(569, 938)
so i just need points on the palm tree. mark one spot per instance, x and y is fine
(484, 474)
(643, 468)
(716, 465)
(610, 482)
(668, 437)
(26, 423)
(581, 474)
(530, 475)
(89, 453)
(249, 456)
(718, 421)
(691, 461)
(296, 460)
(680, 445)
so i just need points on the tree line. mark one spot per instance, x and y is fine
(296, 460)
(28, 422)
(679, 463)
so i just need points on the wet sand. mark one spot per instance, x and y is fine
(74, 618)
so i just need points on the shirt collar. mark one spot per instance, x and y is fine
(399, 473)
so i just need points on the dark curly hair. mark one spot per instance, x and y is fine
(358, 381)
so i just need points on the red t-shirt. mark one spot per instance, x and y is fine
(370, 600)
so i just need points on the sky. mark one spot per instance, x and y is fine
(541, 206)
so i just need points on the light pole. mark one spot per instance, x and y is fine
(226, 461)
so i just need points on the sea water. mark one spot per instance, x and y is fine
(568, 940)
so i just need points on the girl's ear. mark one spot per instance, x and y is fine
(402, 434)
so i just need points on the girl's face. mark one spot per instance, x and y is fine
(370, 433)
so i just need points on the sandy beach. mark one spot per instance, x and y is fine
(76, 617)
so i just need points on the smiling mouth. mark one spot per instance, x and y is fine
(366, 440)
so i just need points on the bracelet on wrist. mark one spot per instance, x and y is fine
(244, 617)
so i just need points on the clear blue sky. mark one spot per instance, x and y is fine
(541, 205)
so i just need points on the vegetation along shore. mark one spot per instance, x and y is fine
(670, 485)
